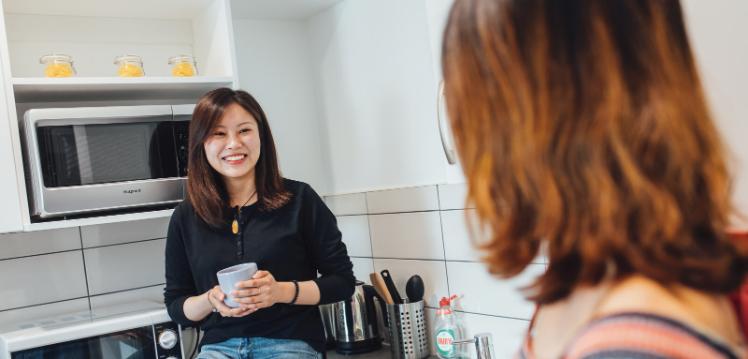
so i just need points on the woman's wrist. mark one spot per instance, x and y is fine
(207, 303)
(289, 290)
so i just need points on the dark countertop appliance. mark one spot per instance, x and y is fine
(356, 329)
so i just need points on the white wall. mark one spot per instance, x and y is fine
(719, 31)
(273, 59)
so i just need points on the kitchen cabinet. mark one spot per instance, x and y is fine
(438, 13)
(94, 32)
(10, 191)
(364, 89)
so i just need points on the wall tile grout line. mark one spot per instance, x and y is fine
(441, 234)
(368, 225)
(492, 315)
(122, 244)
(402, 212)
(350, 214)
(127, 290)
(45, 303)
(40, 254)
(85, 272)
(409, 259)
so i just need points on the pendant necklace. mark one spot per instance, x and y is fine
(235, 223)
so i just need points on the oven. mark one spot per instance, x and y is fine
(138, 335)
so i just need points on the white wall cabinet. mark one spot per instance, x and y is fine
(364, 89)
(94, 32)
(10, 191)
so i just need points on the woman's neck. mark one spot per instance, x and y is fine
(240, 191)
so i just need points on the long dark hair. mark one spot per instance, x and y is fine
(205, 188)
(582, 125)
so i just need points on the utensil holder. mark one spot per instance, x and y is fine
(407, 327)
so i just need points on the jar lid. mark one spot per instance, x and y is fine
(55, 57)
(181, 58)
(128, 58)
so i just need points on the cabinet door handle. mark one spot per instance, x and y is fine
(441, 118)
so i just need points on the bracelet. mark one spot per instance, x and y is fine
(296, 292)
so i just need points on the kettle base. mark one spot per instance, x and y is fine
(358, 347)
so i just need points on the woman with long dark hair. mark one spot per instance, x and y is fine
(239, 209)
(583, 129)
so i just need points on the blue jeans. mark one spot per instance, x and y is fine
(258, 348)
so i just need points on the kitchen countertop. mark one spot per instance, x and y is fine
(382, 353)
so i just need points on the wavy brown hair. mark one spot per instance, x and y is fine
(582, 125)
(205, 188)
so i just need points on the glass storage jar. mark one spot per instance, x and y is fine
(58, 65)
(129, 66)
(183, 66)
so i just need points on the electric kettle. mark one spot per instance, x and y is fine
(356, 322)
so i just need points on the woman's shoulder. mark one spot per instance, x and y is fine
(183, 212)
(644, 335)
(298, 189)
(294, 185)
(183, 207)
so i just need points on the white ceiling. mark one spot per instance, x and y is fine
(278, 9)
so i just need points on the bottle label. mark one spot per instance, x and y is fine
(444, 345)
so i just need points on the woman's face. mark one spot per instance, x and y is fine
(233, 145)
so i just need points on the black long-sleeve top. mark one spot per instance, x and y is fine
(294, 242)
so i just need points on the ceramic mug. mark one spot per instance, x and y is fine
(228, 277)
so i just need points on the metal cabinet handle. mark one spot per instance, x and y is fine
(449, 151)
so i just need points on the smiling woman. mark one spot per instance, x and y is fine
(227, 124)
(239, 209)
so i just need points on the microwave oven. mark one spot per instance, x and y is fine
(145, 333)
(90, 159)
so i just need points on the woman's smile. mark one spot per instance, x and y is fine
(234, 159)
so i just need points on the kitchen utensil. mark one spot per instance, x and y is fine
(381, 287)
(407, 327)
(414, 288)
(396, 298)
(356, 329)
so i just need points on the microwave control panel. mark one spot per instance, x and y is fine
(168, 341)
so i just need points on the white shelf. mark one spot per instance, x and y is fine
(42, 89)
(67, 223)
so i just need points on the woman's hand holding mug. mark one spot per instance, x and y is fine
(262, 291)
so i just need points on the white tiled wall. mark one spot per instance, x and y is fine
(418, 230)
(356, 239)
(423, 230)
(414, 235)
(67, 270)
(41, 279)
(124, 266)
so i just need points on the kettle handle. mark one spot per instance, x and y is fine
(371, 311)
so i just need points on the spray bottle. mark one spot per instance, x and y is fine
(447, 329)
